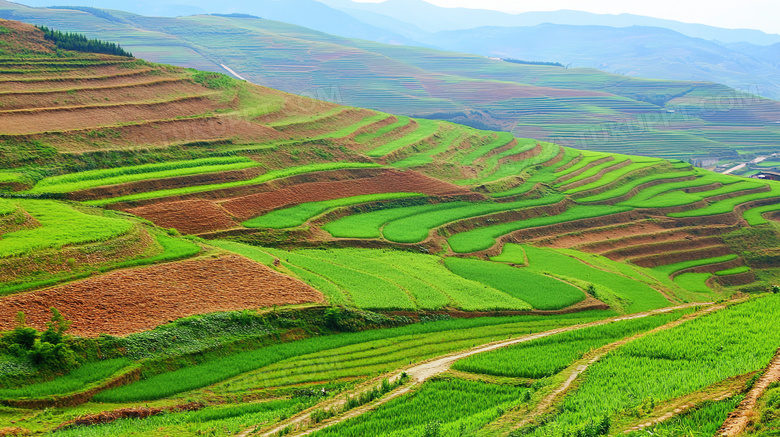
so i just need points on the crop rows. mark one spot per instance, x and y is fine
(485, 237)
(516, 168)
(671, 269)
(728, 205)
(300, 214)
(451, 406)
(651, 197)
(74, 381)
(415, 342)
(703, 421)
(755, 217)
(415, 228)
(542, 292)
(696, 282)
(672, 363)
(501, 139)
(626, 188)
(549, 355)
(614, 175)
(613, 286)
(271, 175)
(97, 178)
(593, 171)
(393, 279)
(425, 129)
(369, 137)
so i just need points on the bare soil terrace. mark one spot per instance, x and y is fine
(135, 300)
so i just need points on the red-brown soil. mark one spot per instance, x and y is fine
(135, 300)
(602, 239)
(63, 119)
(390, 181)
(162, 184)
(663, 259)
(188, 216)
(143, 91)
(662, 247)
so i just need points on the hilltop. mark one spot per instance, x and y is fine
(264, 257)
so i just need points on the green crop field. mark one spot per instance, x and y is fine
(415, 228)
(60, 225)
(626, 188)
(97, 178)
(671, 363)
(300, 214)
(425, 130)
(485, 237)
(549, 355)
(271, 175)
(542, 292)
(670, 269)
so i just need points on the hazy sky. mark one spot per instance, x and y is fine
(751, 14)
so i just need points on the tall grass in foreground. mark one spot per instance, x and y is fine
(73, 381)
(672, 363)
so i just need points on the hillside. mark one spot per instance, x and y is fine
(581, 108)
(236, 259)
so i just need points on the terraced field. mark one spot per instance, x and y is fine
(235, 259)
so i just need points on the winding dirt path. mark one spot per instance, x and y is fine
(738, 420)
(421, 372)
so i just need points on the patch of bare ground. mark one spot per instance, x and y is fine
(134, 300)
(662, 259)
(160, 133)
(163, 184)
(188, 216)
(90, 77)
(738, 420)
(43, 120)
(657, 248)
(127, 413)
(148, 91)
(389, 181)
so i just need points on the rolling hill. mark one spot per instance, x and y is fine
(236, 259)
(582, 108)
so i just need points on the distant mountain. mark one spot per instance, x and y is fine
(307, 13)
(634, 51)
(435, 19)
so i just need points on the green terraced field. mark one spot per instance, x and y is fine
(300, 214)
(97, 178)
(485, 237)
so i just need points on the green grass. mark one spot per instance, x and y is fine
(485, 237)
(614, 287)
(60, 225)
(658, 196)
(7, 206)
(73, 381)
(415, 228)
(549, 355)
(369, 137)
(694, 281)
(542, 292)
(369, 224)
(588, 157)
(501, 139)
(593, 171)
(425, 129)
(217, 420)
(728, 205)
(300, 214)
(614, 175)
(702, 421)
(734, 271)
(456, 404)
(512, 254)
(296, 360)
(626, 188)
(755, 217)
(97, 178)
(670, 269)
(674, 362)
(371, 276)
(271, 175)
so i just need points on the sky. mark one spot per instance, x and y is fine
(750, 14)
